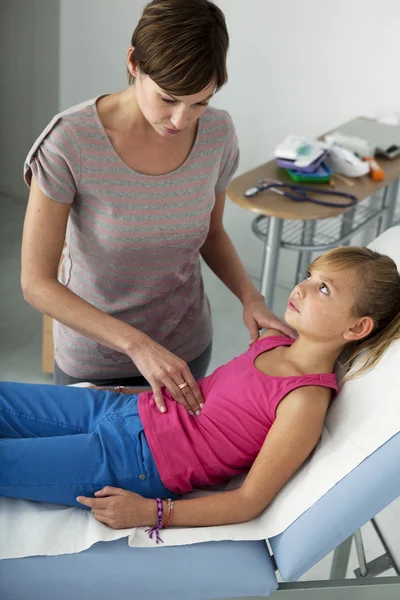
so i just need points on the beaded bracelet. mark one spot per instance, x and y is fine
(157, 528)
(170, 511)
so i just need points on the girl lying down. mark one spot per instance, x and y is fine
(264, 411)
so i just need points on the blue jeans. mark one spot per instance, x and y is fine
(57, 443)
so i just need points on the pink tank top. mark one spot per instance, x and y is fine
(239, 410)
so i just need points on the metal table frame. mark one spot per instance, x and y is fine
(306, 237)
(365, 586)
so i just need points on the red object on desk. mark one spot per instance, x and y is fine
(376, 171)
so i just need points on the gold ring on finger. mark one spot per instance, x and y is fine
(182, 386)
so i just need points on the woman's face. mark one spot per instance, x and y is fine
(168, 114)
(321, 306)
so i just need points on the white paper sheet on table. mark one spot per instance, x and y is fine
(363, 417)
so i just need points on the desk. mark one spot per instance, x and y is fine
(306, 227)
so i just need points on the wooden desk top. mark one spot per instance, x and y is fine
(274, 205)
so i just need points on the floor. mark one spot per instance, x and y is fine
(20, 352)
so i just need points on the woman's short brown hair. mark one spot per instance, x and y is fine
(182, 45)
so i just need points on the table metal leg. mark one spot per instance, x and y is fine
(386, 545)
(270, 260)
(304, 258)
(379, 223)
(347, 224)
(362, 561)
(390, 199)
(340, 560)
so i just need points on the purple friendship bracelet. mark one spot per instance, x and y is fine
(157, 528)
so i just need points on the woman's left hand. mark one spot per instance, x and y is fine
(257, 315)
(120, 509)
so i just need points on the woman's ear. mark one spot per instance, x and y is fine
(360, 330)
(131, 63)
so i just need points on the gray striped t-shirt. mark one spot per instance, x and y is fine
(133, 240)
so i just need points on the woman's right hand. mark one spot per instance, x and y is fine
(162, 368)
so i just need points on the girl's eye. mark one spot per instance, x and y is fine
(324, 289)
(168, 100)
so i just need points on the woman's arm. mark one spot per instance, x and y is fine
(294, 434)
(220, 255)
(43, 240)
(42, 244)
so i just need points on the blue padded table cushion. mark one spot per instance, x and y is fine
(113, 570)
(352, 502)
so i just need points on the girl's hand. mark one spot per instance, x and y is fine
(257, 315)
(121, 509)
(162, 368)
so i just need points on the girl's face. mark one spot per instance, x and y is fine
(168, 114)
(321, 307)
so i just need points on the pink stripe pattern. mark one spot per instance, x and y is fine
(133, 240)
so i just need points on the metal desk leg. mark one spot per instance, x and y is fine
(390, 199)
(362, 561)
(270, 260)
(305, 257)
(347, 224)
(340, 560)
(395, 564)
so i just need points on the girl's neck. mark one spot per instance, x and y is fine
(311, 356)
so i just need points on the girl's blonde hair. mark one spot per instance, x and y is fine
(377, 295)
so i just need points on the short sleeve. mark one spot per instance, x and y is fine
(55, 162)
(230, 157)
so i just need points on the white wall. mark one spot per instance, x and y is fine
(29, 82)
(303, 67)
(16, 80)
(94, 38)
(294, 67)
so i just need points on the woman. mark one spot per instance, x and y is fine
(134, 184)
(264, 411)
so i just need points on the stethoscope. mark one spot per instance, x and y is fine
(300, 193)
